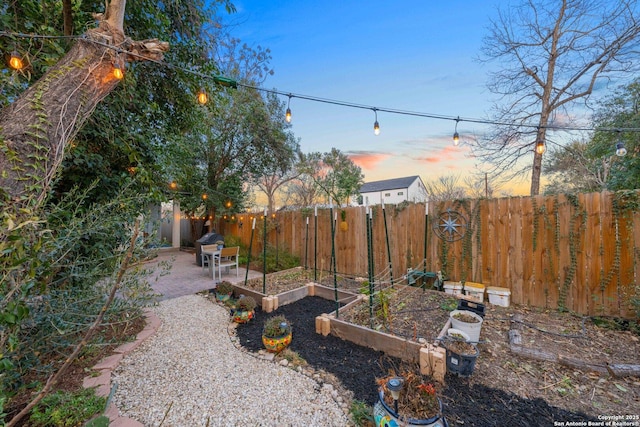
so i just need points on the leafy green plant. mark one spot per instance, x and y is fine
(276, 260)
(101, 421)
(292, 357)
(276, 326)
(361, 414)
(64, 409)
(246, 303)
(449, 304)
(382, 300)
(224, 288)
(58, 269)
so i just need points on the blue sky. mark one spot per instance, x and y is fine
(410, 55)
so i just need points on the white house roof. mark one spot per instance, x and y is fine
(388, 184)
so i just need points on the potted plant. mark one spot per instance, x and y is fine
(468, 322)
(461, 354)
(276, 333)
(409, 399)
(224, 290)
(344, 225)
(220, 244)
(244, 310)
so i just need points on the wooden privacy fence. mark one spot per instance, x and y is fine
(580, 253)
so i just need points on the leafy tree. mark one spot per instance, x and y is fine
(553, 54)
(334, 174)
(65, 257)
(35, 129)
(129, 134)
(592, 165)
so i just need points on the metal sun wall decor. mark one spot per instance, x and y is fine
(450, 225)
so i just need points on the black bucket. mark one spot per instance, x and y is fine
(476, 307)
(461, 364)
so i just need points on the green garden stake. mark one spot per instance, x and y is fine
(306, 245)
(246, 274)
(386, 234)
(315, 245)
(333, 258)
(369, 266)
(426, 230)
(264, 255)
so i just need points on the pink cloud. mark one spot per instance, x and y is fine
(367, 160)
(446, 153)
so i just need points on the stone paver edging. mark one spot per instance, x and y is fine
(102, 382)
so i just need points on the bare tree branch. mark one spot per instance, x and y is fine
(554, 53)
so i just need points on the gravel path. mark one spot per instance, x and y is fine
(193, 372)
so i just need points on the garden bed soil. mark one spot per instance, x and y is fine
(504, 386)
(293, 278)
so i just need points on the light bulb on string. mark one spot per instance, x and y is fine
(15, 61)
(456, 136)
(621, 151)
(540, 148)
(117, 71)
(202, 97)
(376, 125)
(287, 116)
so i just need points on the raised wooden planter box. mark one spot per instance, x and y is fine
(430, 357)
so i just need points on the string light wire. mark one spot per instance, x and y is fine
(225, 81)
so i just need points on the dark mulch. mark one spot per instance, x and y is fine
(357, 368)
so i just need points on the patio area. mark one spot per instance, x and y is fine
(186, 277)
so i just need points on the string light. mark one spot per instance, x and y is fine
(287, 115)
(15, 61)
(204, 197)
(540, 148)
(376, 125)
(202, 97)
(456, 137)
(620, 150)
(117, 71)
(228, 82)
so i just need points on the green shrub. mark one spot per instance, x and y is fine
(275, 260)
(64, 409)
(60, 264)
(361, 414)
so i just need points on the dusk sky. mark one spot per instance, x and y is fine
(411, 55)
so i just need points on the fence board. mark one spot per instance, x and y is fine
(563, 215)
(580, 285)
(523, 244)
(516, 263)
(609, 286)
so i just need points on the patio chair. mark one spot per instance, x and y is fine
(228, 258)
(206, 257)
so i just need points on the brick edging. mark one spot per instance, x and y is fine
(102, 382)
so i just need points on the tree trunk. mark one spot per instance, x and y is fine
(36, 128)
(536, 172)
